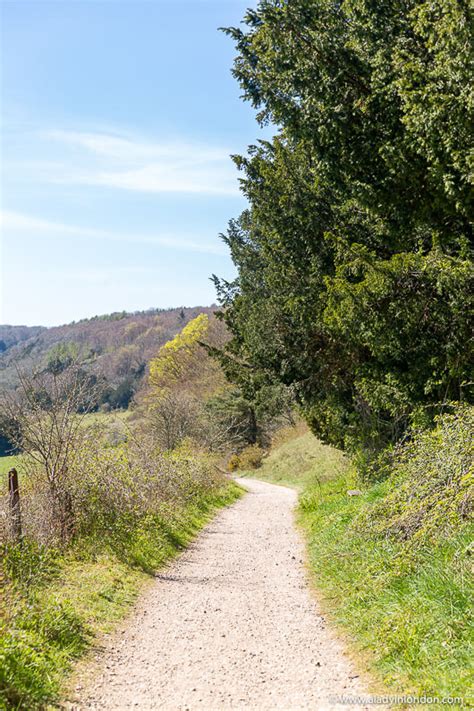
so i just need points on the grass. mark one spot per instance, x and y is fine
(60, 603)
(298, 459)
(393, 565)
(406, 609)
(111, 418)
(7, 463)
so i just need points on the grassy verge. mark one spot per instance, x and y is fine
(298, 460)
(59, 603)
(407, 609)
(393, 565)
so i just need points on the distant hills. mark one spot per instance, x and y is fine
(115, 347)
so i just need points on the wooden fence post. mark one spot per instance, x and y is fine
(15, 509)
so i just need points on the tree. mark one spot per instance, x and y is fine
(353, 258)
(173, 417)
(61, 356)
(45, 420)
(8, 436)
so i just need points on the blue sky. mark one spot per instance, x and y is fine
(118, 119)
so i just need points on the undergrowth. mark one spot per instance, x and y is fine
(57, 602)
(394, 564)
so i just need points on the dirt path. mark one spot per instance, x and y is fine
(230, 625)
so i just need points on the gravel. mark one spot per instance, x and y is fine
(231, 624)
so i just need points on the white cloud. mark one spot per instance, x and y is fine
(123, 147)
(16, 222)
(128, 163)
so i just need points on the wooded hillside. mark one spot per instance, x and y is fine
(115, 347)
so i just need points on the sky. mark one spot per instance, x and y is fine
(118, 120)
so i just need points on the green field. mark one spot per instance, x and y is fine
(6, 463)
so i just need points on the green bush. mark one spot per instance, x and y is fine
(431, 492)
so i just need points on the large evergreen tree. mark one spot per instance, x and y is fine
(353, 258)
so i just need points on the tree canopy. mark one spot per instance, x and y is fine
(354, 256)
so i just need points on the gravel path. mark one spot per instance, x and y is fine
(230, 625)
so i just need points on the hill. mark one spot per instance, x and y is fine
(114, 347)
(12, 335)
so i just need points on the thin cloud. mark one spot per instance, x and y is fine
(125, 148)
(127, 163)
(101, 275)
(16, 222)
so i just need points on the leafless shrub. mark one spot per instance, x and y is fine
(77, 482)
(172, 418)
(45, 417)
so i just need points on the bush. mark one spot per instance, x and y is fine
(431, 484)
(233, 463)
(249, 458)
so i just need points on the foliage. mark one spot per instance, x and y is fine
(394, 563)
(177, 357)
(182, 378)
(353, 259)
(7, 436)
(132, 508)
(114, 349)
(432, 485)
(61, 356)
(188, 395)
(250, 457)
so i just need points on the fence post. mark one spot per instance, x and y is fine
(14, 503)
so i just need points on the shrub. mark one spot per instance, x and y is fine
(249, 458)
(431, 493)
(233, 463)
